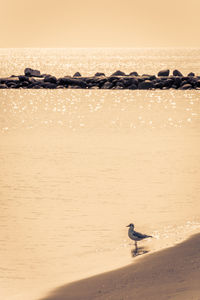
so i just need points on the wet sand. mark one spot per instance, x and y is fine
(172, 273)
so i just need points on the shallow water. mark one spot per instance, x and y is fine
(77, 166)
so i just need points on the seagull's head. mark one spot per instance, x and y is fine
(131, 225)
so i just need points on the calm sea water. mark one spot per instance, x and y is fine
(77, 166)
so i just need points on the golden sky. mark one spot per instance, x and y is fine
(104, 23)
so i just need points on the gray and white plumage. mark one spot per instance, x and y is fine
(136, 236)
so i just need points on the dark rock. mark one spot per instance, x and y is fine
(40, 82)
(159, 79)
(197, 83)
(3, 86)
(50, 78)
(145, 85)
(119, 85)
(191, 74)
(192, 80)
(100, 83)
(132, 87)
(163, 73)
(37, 87)
(24, 83)
(90, 85)
(186, 86)
(13, 86)
(81, 83)
(146, 75)
(32, 73)
(185, 78)
(107, 85)
(63, 81)
(130, 81)
(188, 79)
(95, 81)
(119, 73)
(69, 81)
(141, 79)
(133, 74)
(121, 81)
(32, 80)
(158, 85)
(94, 87)
(99, 74)
(10, 83)
(23, 78)
(177, 73)
(44, 75)
(46, 85)
(149, 77)
(100, 80)
(91, 80)
(77, 74)
(76, 87)
(73, 82)
(152, 77)
(32, 84)
(183, 82)
(113, 78)
(177, 81)
(9, 79)
(114, 82)
(168, 83)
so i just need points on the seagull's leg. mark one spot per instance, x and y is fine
(136, 248)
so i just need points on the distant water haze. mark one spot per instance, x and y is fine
(128, 23)
(77, 166)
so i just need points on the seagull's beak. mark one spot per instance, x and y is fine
(128, 226)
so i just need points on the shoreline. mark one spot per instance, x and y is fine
(171, 273)
(33, 79)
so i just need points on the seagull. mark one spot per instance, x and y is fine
(136, 236)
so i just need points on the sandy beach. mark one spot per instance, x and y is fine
(172, 273)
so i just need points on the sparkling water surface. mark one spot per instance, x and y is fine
(77, 166)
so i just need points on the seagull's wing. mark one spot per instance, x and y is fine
(140, 235)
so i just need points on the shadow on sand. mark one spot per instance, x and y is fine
(138, 251)
(142, 279)
(64, 292)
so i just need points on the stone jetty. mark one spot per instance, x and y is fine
(33, 79)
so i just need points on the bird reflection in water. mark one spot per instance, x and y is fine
(139, 251)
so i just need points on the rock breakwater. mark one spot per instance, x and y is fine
(33, 79)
